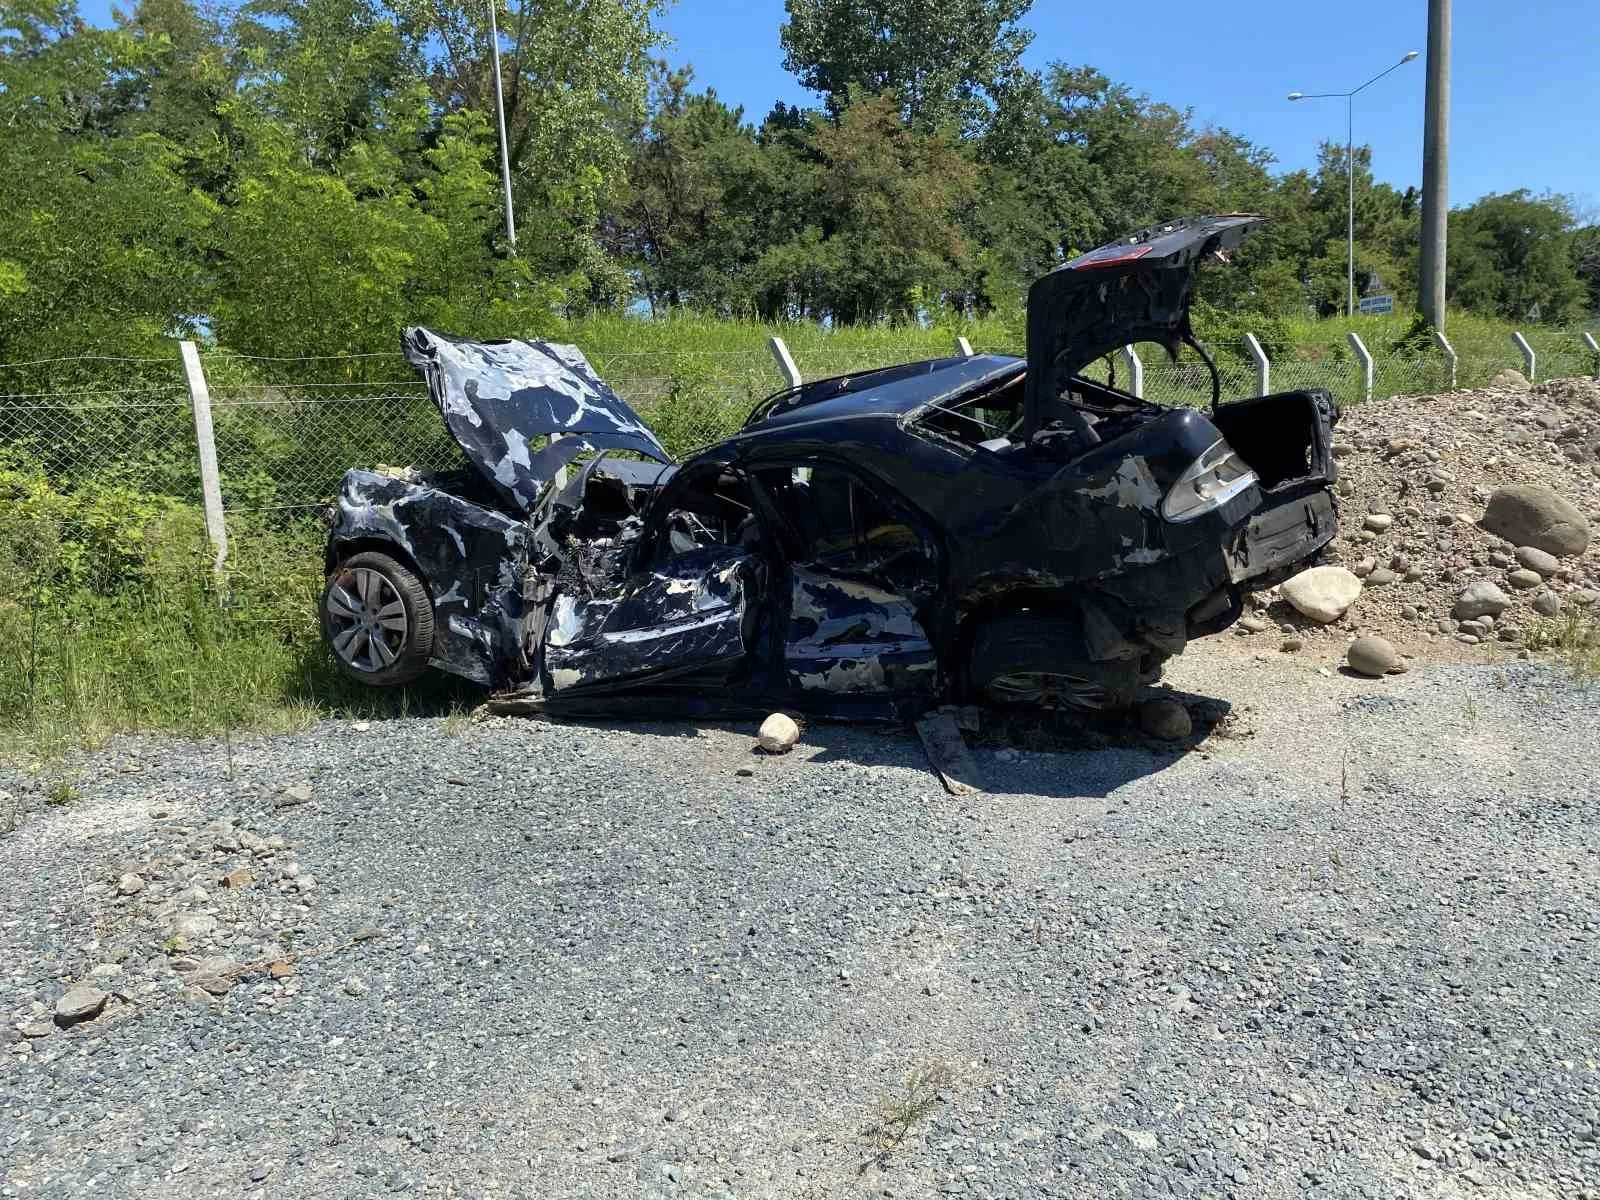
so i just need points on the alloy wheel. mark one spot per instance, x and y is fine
(368, 619)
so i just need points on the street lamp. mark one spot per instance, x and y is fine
(1350, 167)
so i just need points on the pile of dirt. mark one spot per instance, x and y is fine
(1417, 474)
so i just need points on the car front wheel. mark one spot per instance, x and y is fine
(377, 618)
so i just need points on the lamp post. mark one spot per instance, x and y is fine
(1350, 168)
(500, 120)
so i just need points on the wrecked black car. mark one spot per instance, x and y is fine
(968, 528)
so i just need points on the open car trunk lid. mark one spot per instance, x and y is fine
(500, 399)
(1136, 289)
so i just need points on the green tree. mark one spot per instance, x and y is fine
(943, 61)
(103, 236)
(1511, 252)
(576, 80)
(883, 240)
(702, 198)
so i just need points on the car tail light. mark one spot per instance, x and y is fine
(1213, 479)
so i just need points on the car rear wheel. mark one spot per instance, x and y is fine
(1038, 662)
(377, 618)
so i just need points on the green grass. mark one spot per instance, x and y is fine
(179, 652)
(1574, 638)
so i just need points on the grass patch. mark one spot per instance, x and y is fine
(1574, 638)
(176, 650)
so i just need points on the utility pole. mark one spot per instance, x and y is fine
(500, 119)
(1436, 164)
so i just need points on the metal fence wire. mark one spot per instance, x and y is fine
(93, 447)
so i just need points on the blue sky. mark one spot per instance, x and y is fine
(1525, 91)
(1526, 76)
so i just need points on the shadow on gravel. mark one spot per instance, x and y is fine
(1049, 753)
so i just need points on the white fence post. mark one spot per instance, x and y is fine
(1444, 345)
(1135, 371)
(963, 347)
(1366, 365)
(1529, 359)
(1594, 347)
(205, 440)
(786, 367)
(1263, 366)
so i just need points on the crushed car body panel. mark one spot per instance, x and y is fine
(474, 558)
(501, 400)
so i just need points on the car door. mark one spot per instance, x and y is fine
(860, 567)
(687, 614)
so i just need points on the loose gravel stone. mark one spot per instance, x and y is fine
(1478, 600)
(1131, 969)
(1165, 718)
(81, 1002)
(1538, 560)
(778, 734)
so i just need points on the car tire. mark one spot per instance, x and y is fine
(1037, 661)
(377, 619)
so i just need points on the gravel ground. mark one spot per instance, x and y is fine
(1344, 947)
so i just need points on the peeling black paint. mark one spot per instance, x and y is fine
(645, 587)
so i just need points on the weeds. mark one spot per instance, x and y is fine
(1574, 638)
(896, 1115)
(61, 793)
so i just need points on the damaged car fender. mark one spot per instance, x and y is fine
(473, 559)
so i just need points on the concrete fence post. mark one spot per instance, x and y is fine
(1365, 359)
(963, 347)
(1530, 360)
(1135, 371)
(785, 360)
(206, 442)
(1263, 365)
(1448, 351)
(1594, 348)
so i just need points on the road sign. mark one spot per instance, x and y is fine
(1375, 306)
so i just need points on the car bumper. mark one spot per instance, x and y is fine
(1281, 535)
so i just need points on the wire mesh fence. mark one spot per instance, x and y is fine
(95, 452)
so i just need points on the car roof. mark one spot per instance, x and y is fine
(888, 392)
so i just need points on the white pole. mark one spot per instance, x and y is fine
(206, 442)
(785, 360)
(1449, 352)
(1529, 359)
(500, 120)
(1366, 365)
(1594, 347)
(1263, 366)
(1135, 371)
(963, 347)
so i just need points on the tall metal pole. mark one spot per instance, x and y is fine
(500, 119)
(1350, 169)
(1350, 212)
(1436, 164)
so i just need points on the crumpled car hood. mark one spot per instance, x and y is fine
(1135, 289)
(501, 398)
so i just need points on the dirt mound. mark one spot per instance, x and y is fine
(1416, 474)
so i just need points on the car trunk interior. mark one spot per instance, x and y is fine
(1277, 436)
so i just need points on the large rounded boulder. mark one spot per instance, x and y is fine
(1526, 514)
